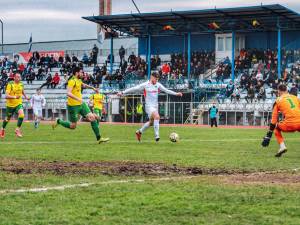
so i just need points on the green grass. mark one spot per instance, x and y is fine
(201, 200)
(204, 147)
(198, 201)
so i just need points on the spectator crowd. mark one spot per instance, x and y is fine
(257, 71)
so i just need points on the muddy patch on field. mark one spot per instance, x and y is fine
(125, 168)
(105, 168)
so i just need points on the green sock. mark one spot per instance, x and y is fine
(65, 124)
(5, 122)
(20, 121)
(95, 127)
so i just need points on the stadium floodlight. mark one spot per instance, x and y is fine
(2, 45)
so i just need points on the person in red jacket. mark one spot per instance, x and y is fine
(166, 70)
(21, 68)
(55, 81)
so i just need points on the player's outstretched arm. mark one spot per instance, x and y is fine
(164, 89)
(32, 101)
(89, 87)
(44, 101)
(137, 88)
(267, 138)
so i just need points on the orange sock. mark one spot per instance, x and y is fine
(278, 136)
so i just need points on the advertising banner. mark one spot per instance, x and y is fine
(24, 57)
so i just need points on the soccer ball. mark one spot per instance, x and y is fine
(174, 137)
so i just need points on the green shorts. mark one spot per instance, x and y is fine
(74, 111)
(11, 110)
(98, 112)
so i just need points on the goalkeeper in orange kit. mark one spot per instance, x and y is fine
(289, 106)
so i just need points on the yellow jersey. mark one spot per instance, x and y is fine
(14, 89)
(76, 85)
(98, 100)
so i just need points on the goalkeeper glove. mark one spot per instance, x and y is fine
(267, 139)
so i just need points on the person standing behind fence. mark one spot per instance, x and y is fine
(122, 54)
(213, 111)
(139, 112)
(95, 52)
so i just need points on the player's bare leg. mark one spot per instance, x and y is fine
(280, 140)
(146, 125)
(2, 132)
(19, 123)
(156, 119)
(55, 123)
(36, 121)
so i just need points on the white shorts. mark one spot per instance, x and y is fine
(38, 112)
(150, 110)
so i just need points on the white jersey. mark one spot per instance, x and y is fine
(37, 101)
(151, 92)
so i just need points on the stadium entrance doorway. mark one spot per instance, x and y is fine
(224, 46)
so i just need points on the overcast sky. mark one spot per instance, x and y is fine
(52, 20)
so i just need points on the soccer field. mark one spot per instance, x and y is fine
(211, 176)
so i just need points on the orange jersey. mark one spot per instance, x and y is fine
(289, 106)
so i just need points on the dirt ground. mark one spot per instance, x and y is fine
(103, 167)
(144, 169)
(264, 178)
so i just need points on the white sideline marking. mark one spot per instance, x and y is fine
(72, 186)
(134, 141)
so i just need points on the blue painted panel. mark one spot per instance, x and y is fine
(265, 40)
(175, 44)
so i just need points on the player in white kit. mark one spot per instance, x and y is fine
(37, 103)
(151, 90)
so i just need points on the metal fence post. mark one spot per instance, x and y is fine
(181, 112)
(174, 113)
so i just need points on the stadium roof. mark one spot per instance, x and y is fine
(269, 18)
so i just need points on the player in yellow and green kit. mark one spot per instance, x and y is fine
(96, 101)
(76, 106)
(14, 93)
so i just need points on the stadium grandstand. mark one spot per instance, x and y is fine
(234, 57)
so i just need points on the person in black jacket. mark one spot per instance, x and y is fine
(48, 82)
(95, 52)
(122, 54)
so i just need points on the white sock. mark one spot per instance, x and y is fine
(145, 127)
(156, 128)
(282, 146)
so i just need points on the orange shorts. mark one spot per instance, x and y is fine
(288, 126)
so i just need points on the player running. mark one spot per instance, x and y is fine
(14, 93)
(289, 106)
(96, 101)
(37, 103)
(76, 106)
(151, 90)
